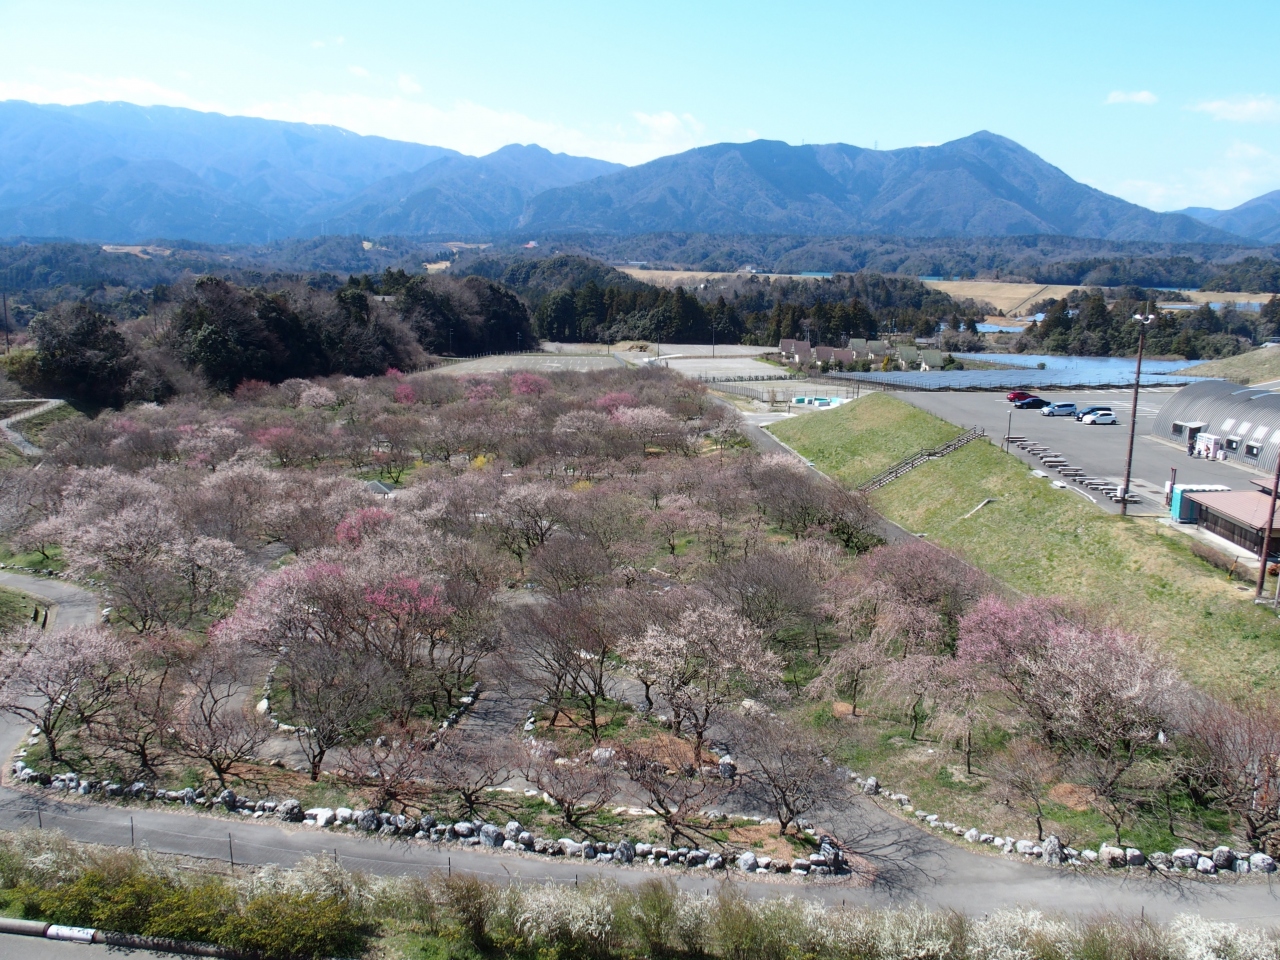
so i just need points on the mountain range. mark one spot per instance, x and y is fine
(1258, 219)
(125, 173)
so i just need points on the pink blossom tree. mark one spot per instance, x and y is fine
(529, 385)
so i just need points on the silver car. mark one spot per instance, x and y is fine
(1059, 410)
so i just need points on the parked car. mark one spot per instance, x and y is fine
(1083, 412)
(1018, 395)
(1102, 416)
(1031, 403)
(1059, 410)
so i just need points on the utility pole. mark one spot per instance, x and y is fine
(1266, 532)
(1143, 319)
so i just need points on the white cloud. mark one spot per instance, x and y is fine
(356, 71)
(666, 126)
(1144, 97)
(408, 84)
(1252, 109)
(1240, 172)
(478, 129)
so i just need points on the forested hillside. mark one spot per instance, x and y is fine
(1083, 324)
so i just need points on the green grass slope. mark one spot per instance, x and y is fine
(1047, 541)
(858, 440)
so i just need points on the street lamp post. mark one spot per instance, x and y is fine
(1143, 319)
(1266, 533)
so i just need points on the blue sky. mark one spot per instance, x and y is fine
(1167, 104)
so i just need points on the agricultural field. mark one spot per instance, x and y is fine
(1009, 297)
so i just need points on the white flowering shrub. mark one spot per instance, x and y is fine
(1019, 935)
(1194, 938)
(605, 921)
(582, 917)
(918, 934)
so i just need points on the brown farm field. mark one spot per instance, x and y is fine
(1009, 297)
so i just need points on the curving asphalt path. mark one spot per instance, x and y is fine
(909, 865)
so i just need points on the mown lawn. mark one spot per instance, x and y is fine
(858, 440)
(1046, 541)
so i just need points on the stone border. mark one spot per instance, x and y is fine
(1051, 850)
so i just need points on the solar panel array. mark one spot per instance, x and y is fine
(1012, 379)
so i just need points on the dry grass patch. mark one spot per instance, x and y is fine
(1256, 366)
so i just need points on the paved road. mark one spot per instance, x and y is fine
(1098, 450)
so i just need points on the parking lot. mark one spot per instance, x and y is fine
(1097, 450)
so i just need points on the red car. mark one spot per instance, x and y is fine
(1018, 395)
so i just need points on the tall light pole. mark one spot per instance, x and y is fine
(1142, 319)
(1266, 533)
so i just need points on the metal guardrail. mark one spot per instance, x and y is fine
(907, 464)
(755, 377)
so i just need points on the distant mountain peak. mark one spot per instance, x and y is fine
(981, 185)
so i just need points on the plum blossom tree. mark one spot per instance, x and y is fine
(787, 766)
(1101, 697)
(529, 385)
(333, 697)
(579, 785)
(1027, 770)
(157, 574)
(210, 720)
(652, 427)
(1236, 760)
(675, 790)
(561, 655)
(131, 733)
(470, 767)
(367, 608)
(58, 678)
(525, 517)
(700, 662)
(316, 397)
(395, 770)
